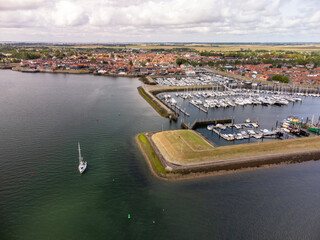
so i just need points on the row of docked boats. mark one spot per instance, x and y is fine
(299, 128)
(238, 126)
(243, 101)
(242, 134)
(216, 93)
(223, 99)
(202, 79)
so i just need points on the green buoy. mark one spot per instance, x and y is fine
(129, 216)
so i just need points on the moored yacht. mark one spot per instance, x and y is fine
(82, 164)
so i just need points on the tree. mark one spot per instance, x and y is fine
(277, 77)
(59, 54)
(285, 79)
(280, 78)
(70, 53)
(47, 55)
(181, 61)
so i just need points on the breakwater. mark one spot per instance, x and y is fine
(198, 123)
(149, 92)
(175, 171)
(156, 104)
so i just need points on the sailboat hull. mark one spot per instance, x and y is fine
(82, 167)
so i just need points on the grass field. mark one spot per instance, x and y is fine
(151, 154)
(232, 47)
(218, 47)
(187, 147)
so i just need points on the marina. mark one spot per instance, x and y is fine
(240, 131)
(222, 101)
(216, 99)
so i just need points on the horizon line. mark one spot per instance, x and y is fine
(168, 42)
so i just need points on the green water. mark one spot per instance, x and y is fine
(43, 196)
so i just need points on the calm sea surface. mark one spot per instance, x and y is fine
(43, 196)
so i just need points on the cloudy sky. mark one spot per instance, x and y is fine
(160, 20)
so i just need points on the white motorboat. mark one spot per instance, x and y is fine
(210, 127)
(239, 136)
(82, 164)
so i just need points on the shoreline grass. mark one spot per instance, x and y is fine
(152, 103)
(151, 155)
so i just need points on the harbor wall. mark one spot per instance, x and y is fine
(160, 107)
(8, 65)
(254, 162)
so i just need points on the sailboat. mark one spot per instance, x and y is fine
(82, 164)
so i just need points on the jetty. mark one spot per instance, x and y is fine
(198, 123)
(181, 110)
(197, 106)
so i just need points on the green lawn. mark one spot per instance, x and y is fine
(151, 154)
(187, 147)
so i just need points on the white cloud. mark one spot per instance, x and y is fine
(67, 13)
(20, 4)
(182, 20)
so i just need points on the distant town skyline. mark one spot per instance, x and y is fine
(110, 21)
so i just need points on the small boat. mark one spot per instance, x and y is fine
(255, 125)
(314, 129)
(239, 136)
(258, 136)
(251, 132)
(221, 126)
(82, 164)
(230, 137)
(210, 127)
(285, 130)
(245, 134)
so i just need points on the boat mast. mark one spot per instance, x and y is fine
(80, 158)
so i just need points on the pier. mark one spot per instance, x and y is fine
(197, 106)
(198, 123)
(181, 110)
